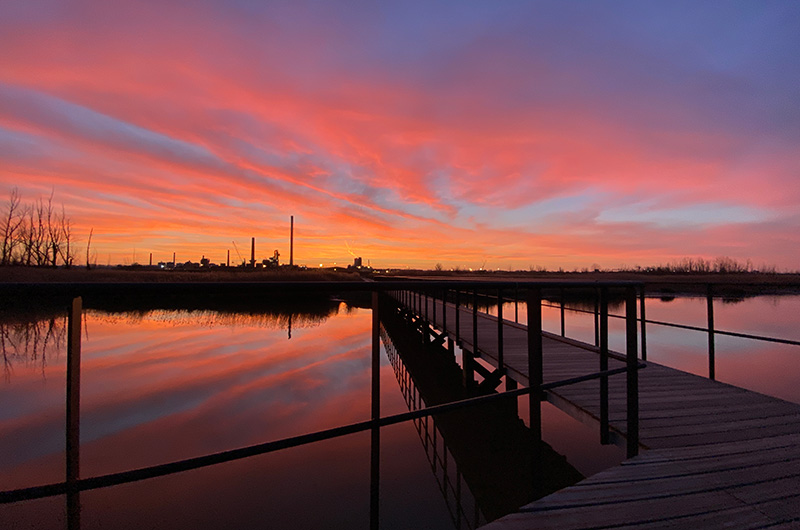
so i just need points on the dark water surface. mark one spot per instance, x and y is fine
(164, 385)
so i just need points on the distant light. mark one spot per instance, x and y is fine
(320, 264)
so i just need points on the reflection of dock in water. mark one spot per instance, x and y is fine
(481, 456)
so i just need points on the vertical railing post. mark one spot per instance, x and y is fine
(535, 377)
(433, 299)
(604, 434)
(643, 324)
(428, 322)
(597, 317)
(444, 311)
(500, 362)
(632, 361)
(458, 316)
(516, 304)
(73, 415)
(563, 327)
(475, 323)
(711, 348)
(375, 459)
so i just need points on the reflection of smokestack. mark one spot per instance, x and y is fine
(291, 242)
(253, 252)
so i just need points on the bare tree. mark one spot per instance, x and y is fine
(36, 234)
(88, 246)
(66, 250)
(11, 222)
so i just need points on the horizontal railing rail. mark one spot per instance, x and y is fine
(684, 326)
(160, 470)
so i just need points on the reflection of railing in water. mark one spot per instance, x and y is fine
(488, 449)
(437, 459)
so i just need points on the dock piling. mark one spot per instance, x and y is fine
(711, 345)
(603, 320)
(631, 346)
(535, 362)
(73, 415)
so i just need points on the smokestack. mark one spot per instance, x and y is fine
(253, 252)
(151, 259)
(291, 242)
(173, 260)
(228, 263)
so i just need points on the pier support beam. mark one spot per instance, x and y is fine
(632, 361)
(711, 346)
(375, 458)
(643, 323)
(73, 414)
(535, 361)
(603, 336)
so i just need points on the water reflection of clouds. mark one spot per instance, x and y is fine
(152, 392)
(210, 318)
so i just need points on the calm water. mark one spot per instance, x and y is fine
(161, 385)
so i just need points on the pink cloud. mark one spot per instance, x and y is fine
(156, 136)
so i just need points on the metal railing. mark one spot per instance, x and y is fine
(710, 330)
(423, 303)
(74, 484)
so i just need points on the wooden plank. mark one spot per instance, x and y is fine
(659, 512)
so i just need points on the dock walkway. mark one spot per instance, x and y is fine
(716, 455)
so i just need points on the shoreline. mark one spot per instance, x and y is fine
(656, 284)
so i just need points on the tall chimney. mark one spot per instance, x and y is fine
(173, 260)
(228, 263)
(253, 252)
(151, 259)
(291, 242)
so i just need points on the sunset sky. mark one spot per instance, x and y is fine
(514, 134)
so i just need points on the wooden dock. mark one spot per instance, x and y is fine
(713, 455)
